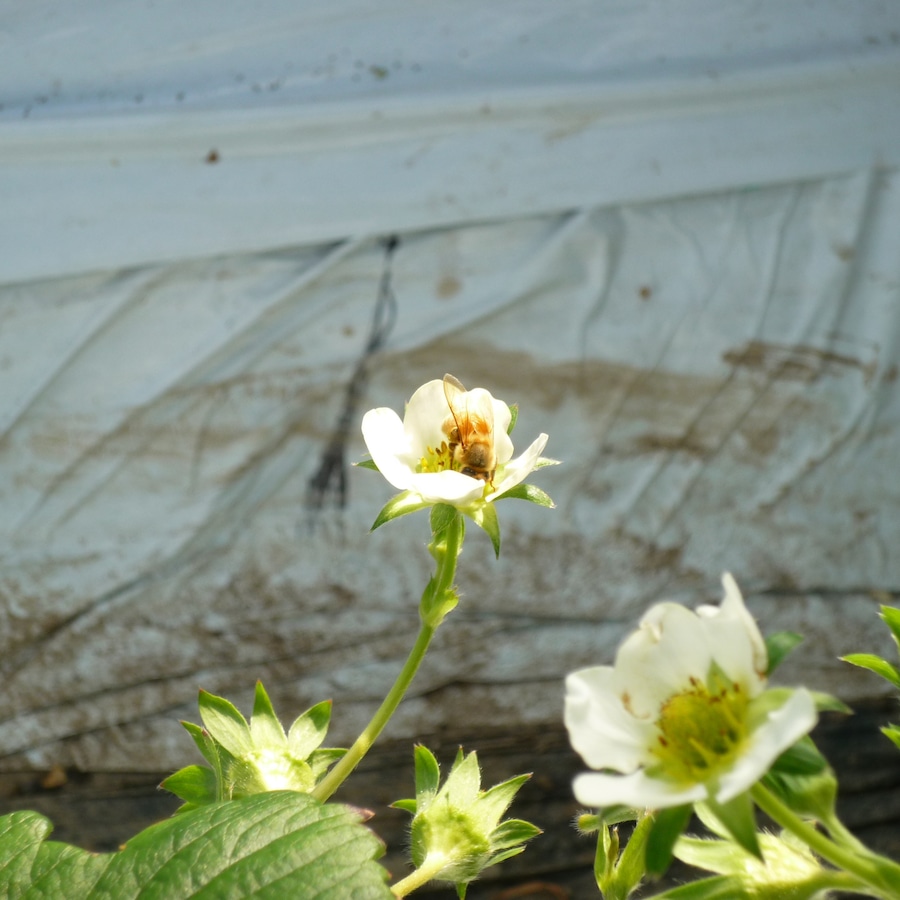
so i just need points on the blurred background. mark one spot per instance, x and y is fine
(670, 233)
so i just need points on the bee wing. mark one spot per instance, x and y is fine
(455, 394)
(480, 410)
(472, 411)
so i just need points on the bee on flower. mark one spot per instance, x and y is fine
(453, 447)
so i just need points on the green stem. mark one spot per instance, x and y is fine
(437, 601)
(875, 871)
(349, 761)
(431, 866)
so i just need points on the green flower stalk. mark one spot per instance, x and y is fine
(429, 478)
(456, 832)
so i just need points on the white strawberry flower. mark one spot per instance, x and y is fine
(419, 456)
(684, 715)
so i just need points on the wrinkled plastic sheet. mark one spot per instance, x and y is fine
(717, 374)
(672, 240)
(135, 134)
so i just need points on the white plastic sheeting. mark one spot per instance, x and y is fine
(178, 332)
(134, 133)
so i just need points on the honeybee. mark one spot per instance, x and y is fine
(470, 431)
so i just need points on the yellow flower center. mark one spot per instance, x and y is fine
(701, 730)
(436, 460)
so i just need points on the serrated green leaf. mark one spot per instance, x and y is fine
(309, 730)
(530, 492)
(778, 646)
(875, 664)
(32, 867)
(401, 505)
(193, 784)
(666, 827)
(265, 728)
(267, 846)
(225, 724)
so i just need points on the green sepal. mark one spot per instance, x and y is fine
(829, 703)
(513, 417)
(616, 814)
(265, 728)
(402, 504)
(632, 863)
(892, 733)
(320, 761)
(442, 516)
(406, 805)
(367, 464)
(225, 724)
(875, 664)
(666, 827)
(778, 646)
(719, 887)
(428, 772)
(309, 730)
(511, 833)
(545, 461)
(810, 796)
(205, 744)
(737, 816)
(891, 617)
(803, 758)
(496, 800)
(605, 857)
(530, 492)
(485, 516)
(195, 785)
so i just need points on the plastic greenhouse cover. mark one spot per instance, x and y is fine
(134, 133)
(672, 237)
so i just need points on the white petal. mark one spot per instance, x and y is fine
(600, 729)
(424, 418)
(388, 445)
(518, 469)
(636, 790)
(446, 487)
(733, 606)
(661, 658)
(782, 729)
(503, 445)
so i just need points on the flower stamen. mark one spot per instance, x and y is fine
(700, 732)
